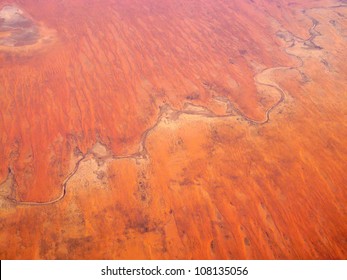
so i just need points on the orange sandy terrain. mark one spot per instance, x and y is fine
(173, 129)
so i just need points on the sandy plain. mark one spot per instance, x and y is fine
(173, 130)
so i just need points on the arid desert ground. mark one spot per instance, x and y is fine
(173, 129)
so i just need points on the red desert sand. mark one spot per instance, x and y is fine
(147, 129)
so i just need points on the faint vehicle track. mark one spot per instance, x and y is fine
(143, 153)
